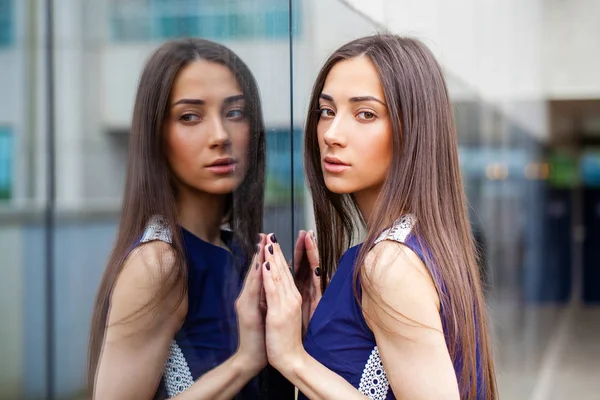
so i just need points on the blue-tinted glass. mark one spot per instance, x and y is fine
(6, 160)
(166, 19)
(6, 23)
(279, 173)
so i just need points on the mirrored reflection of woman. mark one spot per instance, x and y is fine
(166, 322)
(404, 314)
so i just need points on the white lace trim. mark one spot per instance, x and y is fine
(177, 373)
(400, 230)
(157, 229)
(374, 382)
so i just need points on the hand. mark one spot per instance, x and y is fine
(284, 309)
(308, 281)
(251, 325)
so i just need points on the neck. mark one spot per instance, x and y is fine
(366, 202)
(201, 214)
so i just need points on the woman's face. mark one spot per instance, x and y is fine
(354, 130)
(207, 130)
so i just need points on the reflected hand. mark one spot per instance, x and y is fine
(308, 281)
(284, 312)
(251, 324)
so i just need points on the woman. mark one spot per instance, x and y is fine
(164, 323)
(404, 315)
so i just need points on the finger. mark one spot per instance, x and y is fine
(253, 283)
(316, 282)
(260, 284)
(274, 261)
(278, 271)
(299, 250)
(271, 289)
(262, 238)
(286, 276)
(312, 251)
(263, 296)
(249, 275)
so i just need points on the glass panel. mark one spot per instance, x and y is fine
(23, 177)
(101, 50)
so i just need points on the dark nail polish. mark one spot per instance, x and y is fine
(257, 265)
(268, 266)
(273, 238)
(317, 271)
(258, 248)
(270, 249)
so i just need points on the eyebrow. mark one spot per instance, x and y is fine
(200, 102)
(357, 99)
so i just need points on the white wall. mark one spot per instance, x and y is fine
(492, 47)
(571, 52)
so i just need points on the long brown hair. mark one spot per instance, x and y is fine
(148, 188)
(424, 179)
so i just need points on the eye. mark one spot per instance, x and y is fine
(366, 115)
(189, 117)
(326, 112)
(235, 114)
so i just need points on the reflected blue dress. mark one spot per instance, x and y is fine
(209, 334)
(338, 335)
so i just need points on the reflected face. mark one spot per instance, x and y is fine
(354, 130)
(207, 130)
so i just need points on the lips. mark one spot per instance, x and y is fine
(223, 165)
(334, 164)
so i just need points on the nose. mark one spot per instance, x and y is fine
(219, 137)
(335, 134)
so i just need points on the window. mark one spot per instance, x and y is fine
(6, 161)
(6, 23)
(278, 185)
(144, 20)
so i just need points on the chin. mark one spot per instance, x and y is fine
(338, 186)
(221, 186)
(224, 187)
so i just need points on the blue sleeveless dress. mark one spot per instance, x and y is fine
(338, 335)
(209, 334)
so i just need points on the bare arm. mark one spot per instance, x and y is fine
(284, 336)
(135, 349)
(318, 382)
(407, 325)
(415, 357)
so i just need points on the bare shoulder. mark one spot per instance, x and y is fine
(144, 286)
(152, 261)
(398, 276)
(396, 261)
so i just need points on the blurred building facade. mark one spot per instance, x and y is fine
(526, 94)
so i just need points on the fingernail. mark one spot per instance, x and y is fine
(268, 266)
(270, 249)
(258, 248)
(317, 271)
(257, 265)
(273, 238)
